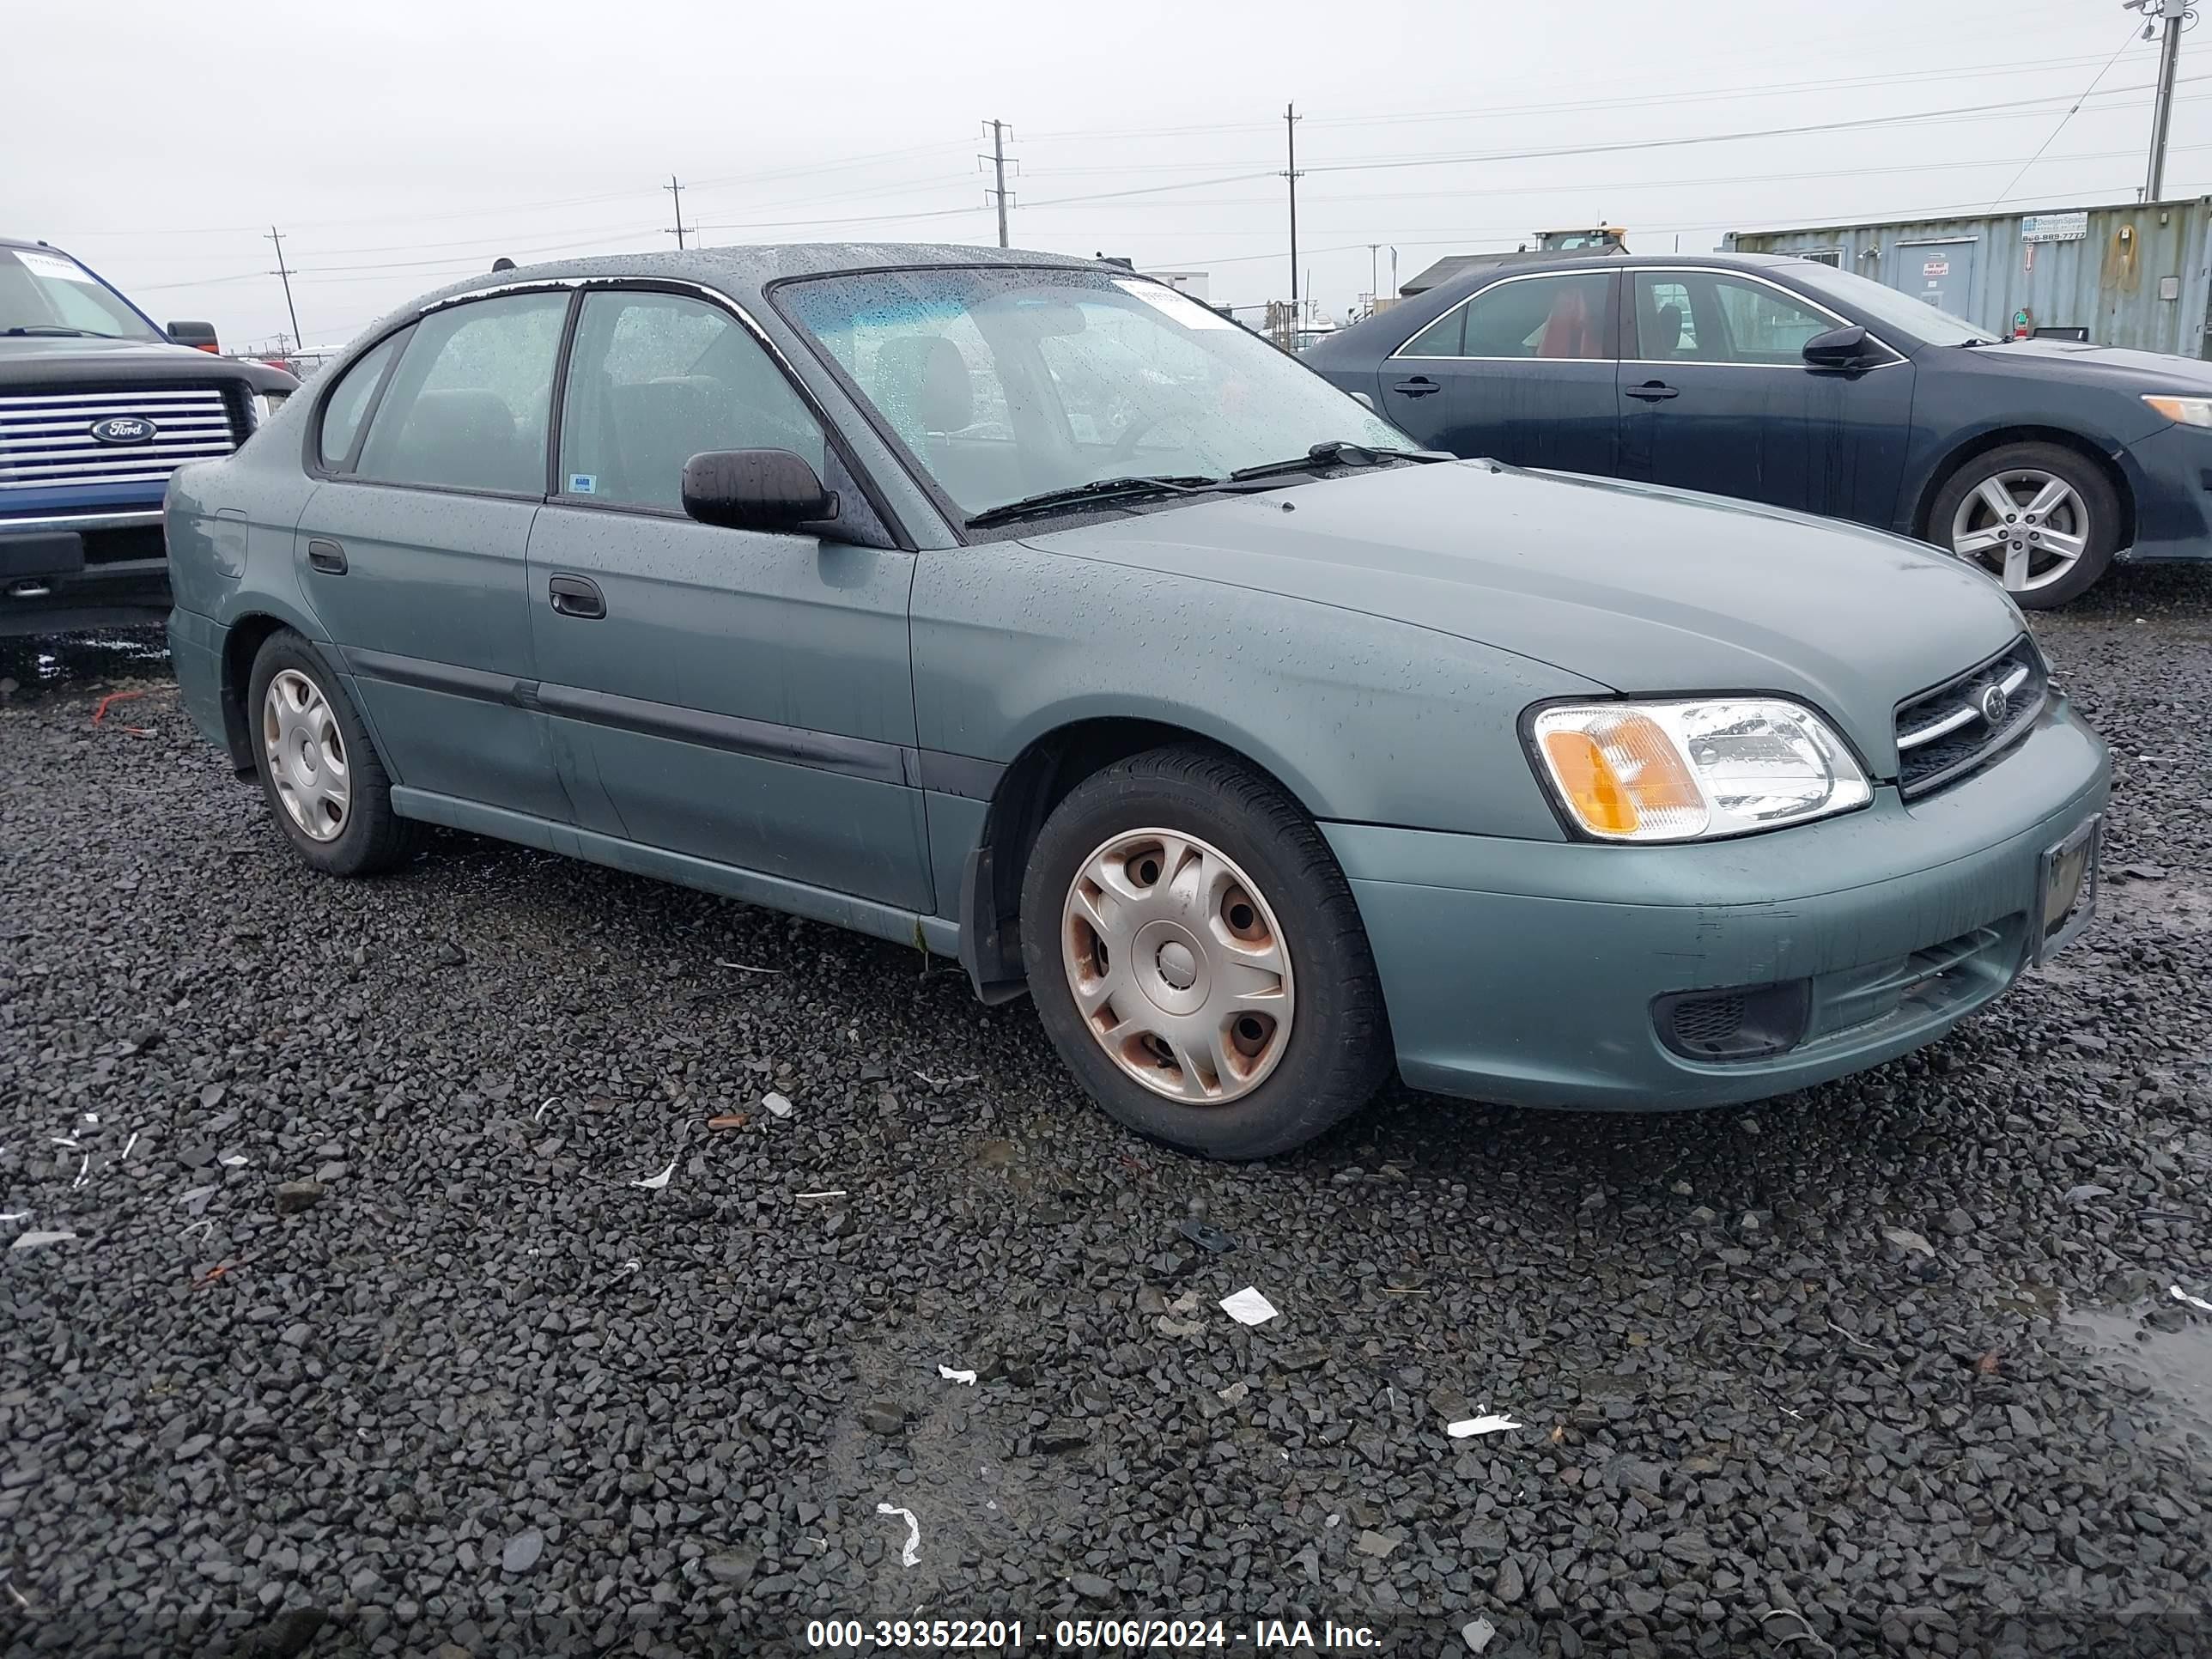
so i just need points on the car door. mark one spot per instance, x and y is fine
(1716, 395)
(1522, 372)
(728, 695)
(411, 552)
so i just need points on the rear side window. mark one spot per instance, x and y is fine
(348, 405)
(655, 378)
(470, 404)
(1440, 339)
(1555, 316)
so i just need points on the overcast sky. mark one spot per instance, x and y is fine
(401, 145)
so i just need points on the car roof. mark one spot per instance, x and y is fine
(740, 271)
(1533, 265)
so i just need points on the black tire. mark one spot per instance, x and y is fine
(372, 837)
(1338, 1051)
(2091, 486)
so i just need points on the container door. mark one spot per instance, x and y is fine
(1940, 274)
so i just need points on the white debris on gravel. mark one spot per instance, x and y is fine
(913, 1550)
(2196, 1302)
(32, 1241)
(655, 1183)
(951, 1376)
(1489, 1423)
(777, 1105)
(1248, 1307)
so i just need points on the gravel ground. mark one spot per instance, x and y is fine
(1898, 1354)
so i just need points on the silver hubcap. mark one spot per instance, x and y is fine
(1178, 966)
(306, 755)
(2026, 526)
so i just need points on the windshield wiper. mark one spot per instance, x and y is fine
(1082, 495)
(57, 329)
(1334, 452)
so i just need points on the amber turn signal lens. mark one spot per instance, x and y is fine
(1622, 775)
(1594, 794)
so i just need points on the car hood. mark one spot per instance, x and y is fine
(1639, 588)
(2151, 371)
(46, 360)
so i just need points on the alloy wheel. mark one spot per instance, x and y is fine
(2028, 526)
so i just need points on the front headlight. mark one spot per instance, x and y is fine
(2187, 411)
(1694, 769)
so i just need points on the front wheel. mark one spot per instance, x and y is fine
(2044, 520)
(1197, 959)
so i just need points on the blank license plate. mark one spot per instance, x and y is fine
(2069, 887)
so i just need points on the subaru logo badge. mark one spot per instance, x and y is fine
(123, 429)
(1993, 703)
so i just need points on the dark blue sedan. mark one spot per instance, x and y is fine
(1789, 382)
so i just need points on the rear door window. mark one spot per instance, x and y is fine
(1440, 339)
(1561, 317)
(470, 403)
(348, 405)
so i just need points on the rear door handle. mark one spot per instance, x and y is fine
(577, 596)
(327, 557)
(1419, 386)
(1652, 391)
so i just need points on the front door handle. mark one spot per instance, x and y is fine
(1652, 391)
(327, 557)
(1419, 386)
(577, 596)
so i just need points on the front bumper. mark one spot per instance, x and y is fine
(1526, 972)
(83, 570)
(2170, 474)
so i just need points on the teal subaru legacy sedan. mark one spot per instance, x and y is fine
(1026, 610)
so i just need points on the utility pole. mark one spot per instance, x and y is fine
(1373, 294)
(1290, 136)
(285, 272)
(2175, 14)
(997, 158)
(676, 190)
(1394, 271)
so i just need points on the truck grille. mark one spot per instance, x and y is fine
(1947, 730)
(47, 438)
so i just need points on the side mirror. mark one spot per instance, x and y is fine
(200, 335)
(754, 490)
(1840, 348)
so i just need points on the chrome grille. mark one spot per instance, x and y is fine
(1947, 730)
(46, 441)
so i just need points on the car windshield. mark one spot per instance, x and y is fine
(43, 292)
(1887, 308)
(1007, 383)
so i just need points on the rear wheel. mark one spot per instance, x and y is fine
(1196, 958)
(327, 790)
(2041, 518)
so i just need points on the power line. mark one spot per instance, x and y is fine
(1909, 119)
(2063, 120)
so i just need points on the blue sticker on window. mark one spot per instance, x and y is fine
(583, 483)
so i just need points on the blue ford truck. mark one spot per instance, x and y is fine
(98, 406)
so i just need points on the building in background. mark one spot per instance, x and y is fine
(1192, 283)
(2134, 274)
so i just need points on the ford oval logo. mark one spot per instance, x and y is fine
(124, 429)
